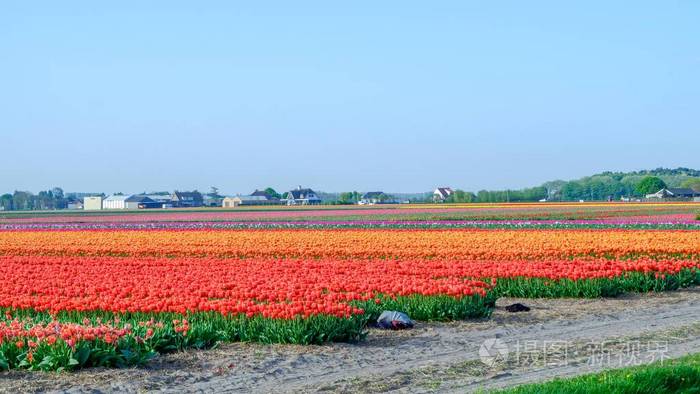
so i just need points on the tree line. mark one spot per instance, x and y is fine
(44, 200)
(601, 187)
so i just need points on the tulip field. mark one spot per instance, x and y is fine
(115, 290)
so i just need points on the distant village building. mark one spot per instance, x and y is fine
(141, 202)
(187, 199)
(232, 202)
(441, 194)
(673, 193)
(301, 196)
(263, 193)
(229, 202)
(212, 200)
(258, 197)
(92, 203)
(371, 198)
(74, 204)
(162, 200)
(115, 202)
(121, 201)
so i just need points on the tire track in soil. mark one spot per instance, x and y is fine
(449, 345)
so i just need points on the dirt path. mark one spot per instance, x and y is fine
(556, 338)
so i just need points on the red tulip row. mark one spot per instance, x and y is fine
(273, 288)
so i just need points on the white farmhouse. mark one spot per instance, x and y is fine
(301, 196)
(441, 193)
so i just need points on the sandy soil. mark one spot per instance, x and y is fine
(558, 337)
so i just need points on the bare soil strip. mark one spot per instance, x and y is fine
(558, 337)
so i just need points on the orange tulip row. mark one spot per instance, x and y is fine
(405, 244)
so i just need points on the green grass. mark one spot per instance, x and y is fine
(630, 282)
(672, 376)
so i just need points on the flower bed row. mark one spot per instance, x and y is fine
(73, 299)
(669, 222)
(280, 289)
(70, 339)
(514, 211)
(452, 244)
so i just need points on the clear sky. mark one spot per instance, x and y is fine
(378, 95)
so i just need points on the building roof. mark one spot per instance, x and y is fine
(93, 198)
(300, 194)
(250, 198)
(260, 193)
(158, 197)
(138, 198)
(674, 192)
(369, 195)
(444, 192)
(187, 195)
(115, 197)
(681, 191)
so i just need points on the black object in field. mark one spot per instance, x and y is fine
(517, 308)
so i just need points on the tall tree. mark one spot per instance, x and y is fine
(650, 184)
(57, 193)
(6, 202)
(272, 193)
(693, 183)
(345, 198)
(23, 200)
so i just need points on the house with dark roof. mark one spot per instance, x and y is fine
(260, 193)
(674, 193)
(441, 193)
(272, 199)
(160, 197)
(141, 202)
(302, 196)
(187, 199)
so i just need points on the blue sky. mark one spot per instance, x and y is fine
(398, 96)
